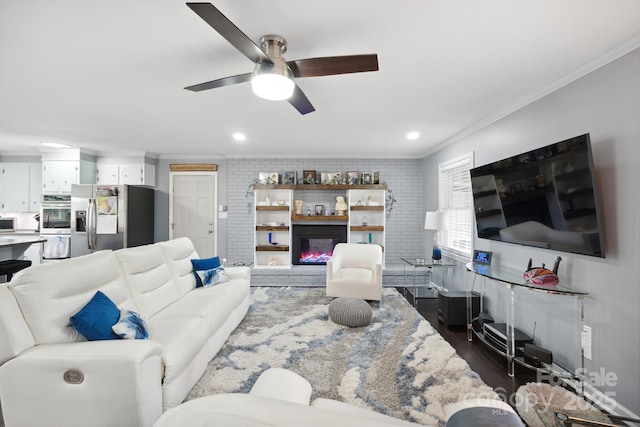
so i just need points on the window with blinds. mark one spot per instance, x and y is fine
(456, 201)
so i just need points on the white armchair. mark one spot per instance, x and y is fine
(355, 270)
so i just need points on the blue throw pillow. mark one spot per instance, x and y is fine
(95, 319)
(131, 326)
(213, 276)
(204, 264)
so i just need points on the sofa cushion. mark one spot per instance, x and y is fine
(178, 254)
(181, 338)
(204, 265)
(131, 326)
(355, 274)
(95, 320)
(15, 335)
(49, 294)
(149, 278)
(213, 304)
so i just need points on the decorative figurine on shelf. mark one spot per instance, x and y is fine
(369, 200)
(365, 221)
(298, 204)
(271, 241)
(341, 205)
(272, 262)
(542, 275)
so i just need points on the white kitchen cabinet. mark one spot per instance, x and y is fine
(34, 254)
(35, 186)
(58, 175)
(107, 174)
(125, 173)
(20, 187)
(132, 174)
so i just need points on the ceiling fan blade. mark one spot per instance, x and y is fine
(229, 31)
(226, 81)
(329, 65)
(300, 101)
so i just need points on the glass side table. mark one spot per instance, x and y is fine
(419, 276)
(555, 416)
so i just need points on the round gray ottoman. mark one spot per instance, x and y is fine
(352, 312)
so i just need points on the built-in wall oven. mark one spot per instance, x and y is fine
(55, 225)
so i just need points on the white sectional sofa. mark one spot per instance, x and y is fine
(46, 363)
(279, 398)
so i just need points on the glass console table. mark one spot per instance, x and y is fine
(513, 279)
(417, 285)
(556, 416)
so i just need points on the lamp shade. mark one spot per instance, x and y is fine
(434, 221)
(274, 83)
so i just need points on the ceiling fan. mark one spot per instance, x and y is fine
(272, 77)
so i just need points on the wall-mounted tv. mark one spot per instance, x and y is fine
(545, 198)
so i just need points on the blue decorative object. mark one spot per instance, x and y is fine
(131, 326)
(95, 319)
(202, 265)
(213, 276)
(436, 255)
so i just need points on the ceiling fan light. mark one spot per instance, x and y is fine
(272, 84)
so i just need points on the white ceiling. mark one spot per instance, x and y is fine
(108, 76)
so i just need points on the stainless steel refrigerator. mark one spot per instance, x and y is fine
(110, 217)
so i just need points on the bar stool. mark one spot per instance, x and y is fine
(11, 266)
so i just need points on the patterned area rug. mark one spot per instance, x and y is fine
(397, 365)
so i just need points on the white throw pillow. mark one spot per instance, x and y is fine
(213, 276)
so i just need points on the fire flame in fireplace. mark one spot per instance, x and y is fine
(315, 257)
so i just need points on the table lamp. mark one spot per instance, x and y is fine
(435, 221)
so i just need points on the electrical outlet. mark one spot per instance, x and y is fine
(586, 341)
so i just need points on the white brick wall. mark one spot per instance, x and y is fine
(404, 228)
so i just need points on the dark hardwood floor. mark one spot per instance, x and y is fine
(491, 367)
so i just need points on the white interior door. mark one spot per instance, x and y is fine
(192, 210)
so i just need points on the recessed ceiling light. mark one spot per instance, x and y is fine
(413, 135)
(55, 145)
(238, 136)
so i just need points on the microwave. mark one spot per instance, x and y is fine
(7, 224)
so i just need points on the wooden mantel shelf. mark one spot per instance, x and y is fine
(367, 228)
(319, 187)
(272, 228)
(367, 208)
(295, 217)
(272, 248)
(272, 208)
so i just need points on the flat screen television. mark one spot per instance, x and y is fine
(545, 198)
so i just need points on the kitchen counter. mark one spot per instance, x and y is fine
(25, 232)
(12, 246)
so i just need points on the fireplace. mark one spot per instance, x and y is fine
(313, 244)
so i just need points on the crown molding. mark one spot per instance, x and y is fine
(591, 66)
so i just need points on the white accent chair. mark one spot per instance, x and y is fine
(355, 271)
